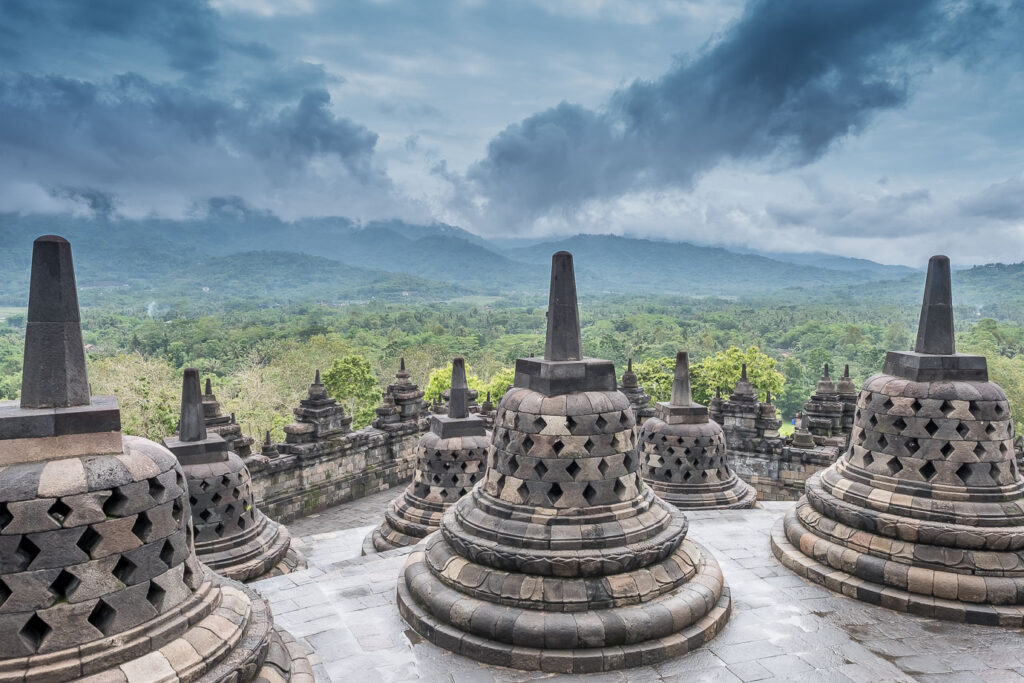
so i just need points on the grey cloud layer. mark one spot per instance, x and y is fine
(782, 84)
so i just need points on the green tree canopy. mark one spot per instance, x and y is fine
(723, 370)
(351, 381)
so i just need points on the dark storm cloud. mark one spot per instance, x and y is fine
(782, 84)
(125, 127)
(99, 202)
(187, 31)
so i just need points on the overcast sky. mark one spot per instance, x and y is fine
(882, 129)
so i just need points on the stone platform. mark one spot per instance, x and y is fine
(782, 627)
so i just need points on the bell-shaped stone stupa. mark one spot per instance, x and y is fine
(925, 511)
(451, 458)
(99, 580)
(562, 560)
(232, 536)
(684, 455)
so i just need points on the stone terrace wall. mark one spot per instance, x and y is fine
(326, 473)
(781, 476)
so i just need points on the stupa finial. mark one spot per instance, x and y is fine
(629, 364)
(53, 373)
(681, 395)
(458, 402)
(935, 329)
(825, 375)
(563, 329)
(316, 379)
(846, 371)
(401, 364)
(192, 426)
(743, 372)
(209, 387)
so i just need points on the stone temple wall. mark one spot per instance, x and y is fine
(780, 476)
(338, 470)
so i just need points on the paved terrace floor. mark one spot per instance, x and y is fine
(782, 628)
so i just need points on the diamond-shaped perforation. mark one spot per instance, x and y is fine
(624, 419)
(868, 458)
(947, 449)
(157, 490)
(115, 504)
(88, 541)
(572, 469)
(589, 495)
(603, 466)
(927, 470)
(557, 446)
(59, 511)
(887, 404)
(998, 409)
(34, 632)
(979, 451)
(627, 462)
(554, 493)
(219, 529)
(142, 527)
(600, 422)
(5, 592)
(242, 523)
(882, 441)
(619, 488)
(5, 516)
(931, 427)
(63, 585)
(539, 423)
(225, 481)
(964, 472)
(527, 444)
(540, 469)
(102, 617)
(203, 485)
(912, 446)
(167, 553)
(124, 570)
(899, 424)
(523, 491)
(155, 595)
(893, 466)
(205, 515)
(915, 406)
(177, 510)
(513, 464)
(570, 424)
(963, 430)
(217, 498)
(26, 552)
(990, 429)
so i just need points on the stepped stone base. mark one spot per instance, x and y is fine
(799, 550)
(732, 495)
(225, 632)
(655, 613)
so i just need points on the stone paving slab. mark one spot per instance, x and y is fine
(782, 629)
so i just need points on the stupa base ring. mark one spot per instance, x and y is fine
(528, 640)
(742, 496)
(930, 606)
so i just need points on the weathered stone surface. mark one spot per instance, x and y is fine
(451, 459)
(684, 453)
(561, 559)
(98, 578)
(925, 510)
(232, 536)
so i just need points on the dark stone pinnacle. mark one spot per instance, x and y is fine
(209, 387)
(935, 329)
(563, 340)
(681, 395)
(193, 425)
(458, 402)
(53, 374)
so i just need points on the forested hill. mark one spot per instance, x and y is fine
(245, 255)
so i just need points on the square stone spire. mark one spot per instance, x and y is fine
(564, 369)
(56, 416)
(193, 445)
(934, 357)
